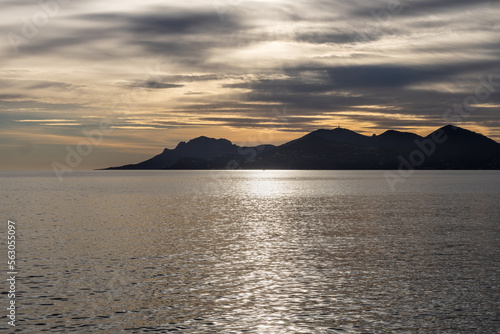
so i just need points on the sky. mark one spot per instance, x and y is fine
(90, 84)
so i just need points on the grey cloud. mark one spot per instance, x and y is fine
(74, 46)
(326, 37)
(195, 78)
(239, 120)
(50, 84)
(40, 106)
(309, 87)
(356, 35)
(186, 36)
(272, 122)
(398, 76)
(364, 77)
(151, 84)
(383, 86)
(4, 97)
(169, 21)
(183, 23)
(385, 10)
(431, 6)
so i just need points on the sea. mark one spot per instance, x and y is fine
(265, 251)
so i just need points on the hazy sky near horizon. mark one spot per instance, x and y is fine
(250, 71)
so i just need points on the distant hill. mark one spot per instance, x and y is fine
(449, 147)
(200, 152)
(396, 140)
(463, 149)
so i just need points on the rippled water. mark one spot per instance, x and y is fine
(255, 252)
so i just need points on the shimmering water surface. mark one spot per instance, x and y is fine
(254, 252)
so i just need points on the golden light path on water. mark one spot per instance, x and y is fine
(277, 281)
(256, 251)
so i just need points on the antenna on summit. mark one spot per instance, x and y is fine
(338, 126)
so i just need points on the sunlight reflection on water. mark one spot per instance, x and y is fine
(256, 252)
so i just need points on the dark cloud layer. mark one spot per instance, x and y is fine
(151, 84)
(381, 9)
(368, 62)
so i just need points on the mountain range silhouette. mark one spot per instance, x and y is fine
(449, 147)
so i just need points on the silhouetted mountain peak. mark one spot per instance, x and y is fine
(390, 139)
(204, 141)
(341, 135)
(449, 147)
(393, 133)
(335, 132)
(458, 133)
(452, 129)
(461, 148)
(205, 148)
(395, 140)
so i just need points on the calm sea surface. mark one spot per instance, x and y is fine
(253, 252)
